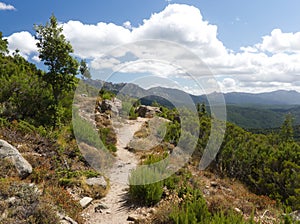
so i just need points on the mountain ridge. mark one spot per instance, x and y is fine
(278, 97)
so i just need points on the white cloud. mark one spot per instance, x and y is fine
(127, 25)
(24, 42)
(91, 41)
(4, 6)
(279, 42)
(272, 64)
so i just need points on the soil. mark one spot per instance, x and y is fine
(117, 210)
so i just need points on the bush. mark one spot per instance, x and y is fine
(194, 210)
(148, 194)
(85, 132)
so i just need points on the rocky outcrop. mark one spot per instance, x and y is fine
(9, 152)
(97, 181)
(114, 106)
(147, 111)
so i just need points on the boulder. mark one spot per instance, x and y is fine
(147, 111)
(97, 181)
(110, 105)
(84, 202)
(8, 151)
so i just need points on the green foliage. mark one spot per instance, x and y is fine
(55, 52)
(194, 210)
(268, 167)
(132, 114)
(3, 45)
(84, 70)
(139, 189)
(23, 95)
(85, 132)
(107, 136)
(173, 132)
(148, 194)
(106, 94)
(287, 133)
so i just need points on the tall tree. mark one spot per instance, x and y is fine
(84, 70)
(55, 51)
(287, 132)
(3, 45)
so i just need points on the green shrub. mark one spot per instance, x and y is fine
(193, 209)
(85, 132)
(148, 194)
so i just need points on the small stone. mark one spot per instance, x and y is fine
(98, 208)
(84, 202)
(132, 218)
(11, 200)
(152, 210)
(213, 184)
(70, 220)
(238, 210)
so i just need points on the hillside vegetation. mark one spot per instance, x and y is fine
(36, 118)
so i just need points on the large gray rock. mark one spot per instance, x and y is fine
(97, 181)
(147, 111)
(111, 105)
(7, 151)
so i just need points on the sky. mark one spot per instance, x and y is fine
(195, 45)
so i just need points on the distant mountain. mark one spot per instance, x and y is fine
(280, 97)
(250, 111)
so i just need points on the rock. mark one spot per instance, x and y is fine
(7, 151)
(295, 215)
(66, 219)
(69, 220)
(97, 181)
(132, 218)
(152, 210)
(147, 111)
(100, 207)
(84, 202)
(110, 105)
(11, 200)
(238, 210)
(214, 184)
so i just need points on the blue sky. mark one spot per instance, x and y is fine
(240, 23)
(252, 47)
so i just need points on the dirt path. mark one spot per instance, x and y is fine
(116, 211)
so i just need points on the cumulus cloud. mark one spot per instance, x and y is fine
(272, 64)
(91, 41)
(279, 42)
(127, 25)
(4, 6)
(24, 42)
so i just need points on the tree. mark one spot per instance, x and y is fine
(3, 45)
(84, 70)
(287, 133)
(55, 51)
